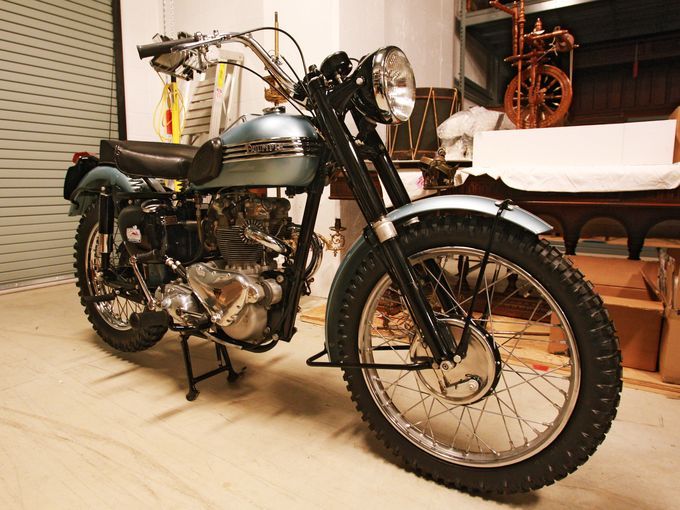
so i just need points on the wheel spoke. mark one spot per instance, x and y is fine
(511, 417)
(537, 376)
(510, 354)
(513, 408)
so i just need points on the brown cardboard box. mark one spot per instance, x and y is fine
(669, 277)
(636, 312)
(669, 354)
(665, 284)
(611, 274)
(638, 324)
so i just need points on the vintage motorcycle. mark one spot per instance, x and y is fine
(473, 349)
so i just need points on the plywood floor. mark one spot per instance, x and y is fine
(82, 426)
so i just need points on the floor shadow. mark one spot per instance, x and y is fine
(271, 387)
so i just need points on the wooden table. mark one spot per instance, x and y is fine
(637, 211)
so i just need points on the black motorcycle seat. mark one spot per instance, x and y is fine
(148, 159)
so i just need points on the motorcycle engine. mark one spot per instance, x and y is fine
(234, 289)
(232, 214)
(156, 226)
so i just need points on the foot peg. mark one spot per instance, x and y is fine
(148, 319)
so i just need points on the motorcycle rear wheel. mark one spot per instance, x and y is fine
(539, 387)
(110, 319)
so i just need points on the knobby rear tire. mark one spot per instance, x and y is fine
(115, 332)
(595, 340)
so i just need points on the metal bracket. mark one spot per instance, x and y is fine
(384, 229)
(420, 364)
(461, 350)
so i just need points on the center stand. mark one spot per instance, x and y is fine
(223, 365)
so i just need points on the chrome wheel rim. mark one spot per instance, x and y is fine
(116, 313)
(533, 399)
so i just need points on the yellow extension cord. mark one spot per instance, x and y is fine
(171, 99)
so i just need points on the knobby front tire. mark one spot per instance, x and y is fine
(539, 387)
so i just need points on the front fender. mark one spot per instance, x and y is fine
(445, 203)
(89, 186)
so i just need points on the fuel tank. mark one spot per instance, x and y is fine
(274, 149)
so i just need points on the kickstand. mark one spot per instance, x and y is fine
(223, 365)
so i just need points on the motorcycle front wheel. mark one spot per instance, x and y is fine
(539, 386)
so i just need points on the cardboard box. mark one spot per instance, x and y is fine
(636, 312)
(638, 325)
(669, 353)
(665, 284)
(669, 276)
(622, 144)
(610, 274)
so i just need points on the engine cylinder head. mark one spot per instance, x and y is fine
(234, 251)
(236, 214)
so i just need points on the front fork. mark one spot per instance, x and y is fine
(380, 230)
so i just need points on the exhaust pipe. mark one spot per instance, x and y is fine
(266, 240)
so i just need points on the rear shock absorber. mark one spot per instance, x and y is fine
(105, 227)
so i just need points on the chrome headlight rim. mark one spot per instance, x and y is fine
(379, 78)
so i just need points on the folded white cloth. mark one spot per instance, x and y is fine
(575, 179)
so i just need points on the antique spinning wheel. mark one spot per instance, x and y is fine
(550, 98)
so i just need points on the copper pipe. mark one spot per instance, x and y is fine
(520, 31)
(501, 7)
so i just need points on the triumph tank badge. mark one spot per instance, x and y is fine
(133, 234)
(263, 148)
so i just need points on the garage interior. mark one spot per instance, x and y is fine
(86, 425)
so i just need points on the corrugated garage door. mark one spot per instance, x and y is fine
(57, 97)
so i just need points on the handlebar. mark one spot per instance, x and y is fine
(200, 43)
(161, 48)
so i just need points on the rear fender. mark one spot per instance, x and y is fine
(91, 184)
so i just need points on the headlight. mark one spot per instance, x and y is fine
(393, 86)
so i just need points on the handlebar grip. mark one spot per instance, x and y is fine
(160, 48)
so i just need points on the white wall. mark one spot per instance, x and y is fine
(424, 30)
(140, 21)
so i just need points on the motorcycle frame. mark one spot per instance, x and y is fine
(344, 152)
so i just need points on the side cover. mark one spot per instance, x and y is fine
(104, 175)
(456, 203)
